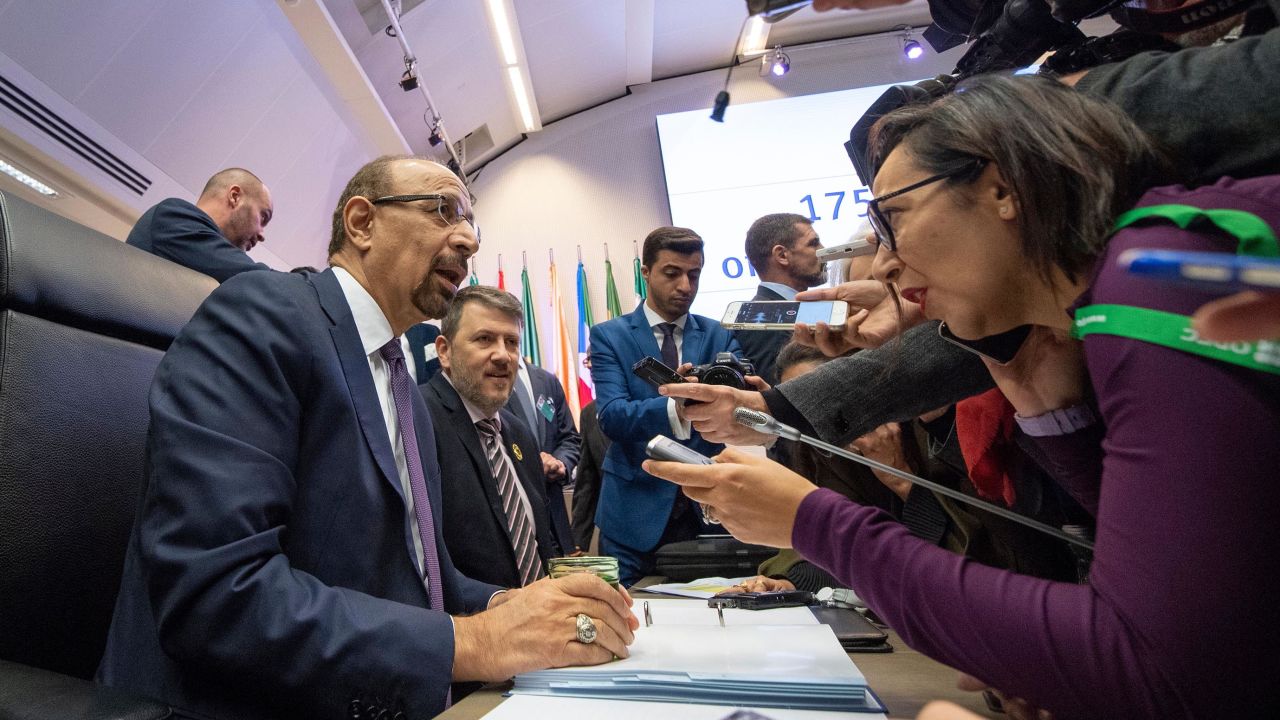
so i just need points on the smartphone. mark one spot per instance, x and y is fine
(999, 349)
(762, 600)
(855, 248)
(662, 447)
(1214, 272)
(652, 371)
(782, 314)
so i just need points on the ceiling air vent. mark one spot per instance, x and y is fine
(49, 123)
(475, 143)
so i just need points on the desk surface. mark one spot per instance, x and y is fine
(904, 679)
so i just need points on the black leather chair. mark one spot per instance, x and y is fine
(84, 320)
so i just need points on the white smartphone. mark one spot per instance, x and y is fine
(854, 248)
(782, 314)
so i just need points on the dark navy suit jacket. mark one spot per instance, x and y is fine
(271, 570)
(475, 527)
(634, 506)
(180, 232)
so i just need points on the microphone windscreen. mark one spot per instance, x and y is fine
(753, 419)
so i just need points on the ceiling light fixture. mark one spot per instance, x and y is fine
(756, 39)
(911, 49)
(775, 62)
(503, 23)
(28, 180)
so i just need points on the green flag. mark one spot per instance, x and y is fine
(642, 291)
(529, 338)
(611, 302)
(474, 280)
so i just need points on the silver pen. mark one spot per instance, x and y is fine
(648, 617)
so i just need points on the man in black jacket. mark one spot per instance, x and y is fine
(213, 236)
(495, 518)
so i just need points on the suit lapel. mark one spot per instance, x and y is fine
(695, 337)
(642, 334)
(355, 368)
(469, 437)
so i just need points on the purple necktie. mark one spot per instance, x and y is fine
(402, 389)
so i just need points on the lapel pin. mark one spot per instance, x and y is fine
(516, 450)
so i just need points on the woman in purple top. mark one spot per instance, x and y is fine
(995, 207)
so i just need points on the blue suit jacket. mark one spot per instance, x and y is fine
(634, 506)
(271, 570)
(180, 232)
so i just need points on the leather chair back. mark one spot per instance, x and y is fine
(84, 320)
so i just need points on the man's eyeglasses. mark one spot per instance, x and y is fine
(880, 224)
(450, 210)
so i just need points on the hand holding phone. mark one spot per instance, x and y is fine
(653, 371)
(782, 314)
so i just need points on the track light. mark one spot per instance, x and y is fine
(434, 138)
(911, 49)
(775, 62)
(409, 80)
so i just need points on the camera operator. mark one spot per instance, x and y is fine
(638, 512)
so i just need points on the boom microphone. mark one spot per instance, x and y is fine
(768, 425)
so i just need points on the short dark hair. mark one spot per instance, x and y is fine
(793, 353)
(770, 230)
(232, 176)
(371, 181)
(486, 295)
(1075, 162)
(676, 239)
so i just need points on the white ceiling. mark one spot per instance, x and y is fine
(182, 88)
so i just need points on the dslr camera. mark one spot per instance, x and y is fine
(725, 370)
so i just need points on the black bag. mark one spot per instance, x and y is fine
(710, 557)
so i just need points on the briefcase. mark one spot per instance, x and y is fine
(710, 557)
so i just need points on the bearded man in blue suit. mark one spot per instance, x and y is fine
(637, 512)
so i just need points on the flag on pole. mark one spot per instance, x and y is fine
(642, 291)
(474, 280)
(564, 356)
(529, 337)
(586, 389)
(612, 305)
(502, 281)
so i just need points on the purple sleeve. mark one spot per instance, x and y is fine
(1179, 618)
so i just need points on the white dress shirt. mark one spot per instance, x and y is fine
(680, 429)
(786, 291)
(375, 331)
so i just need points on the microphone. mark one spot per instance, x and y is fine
(767, 424)
(764, 423)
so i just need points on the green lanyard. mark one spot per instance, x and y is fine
(1174, 331)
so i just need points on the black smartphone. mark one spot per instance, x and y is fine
(652, 371)
(999, 349)
(762, 600)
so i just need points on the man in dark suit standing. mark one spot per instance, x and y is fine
(213, 236)
(495, 513)
(539, 399)
(287, 560)
(782, 248)
(638, 512)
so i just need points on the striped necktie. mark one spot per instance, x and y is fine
(519, 524)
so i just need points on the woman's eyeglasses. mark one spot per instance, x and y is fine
(880, 224)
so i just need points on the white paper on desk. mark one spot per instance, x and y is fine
(672, 611)
(791, 666)
(701, 588)
(531, 707)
